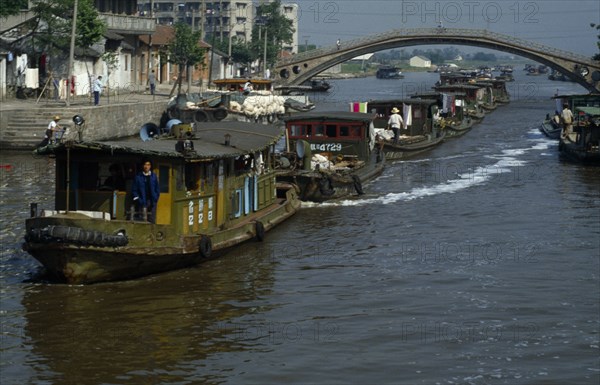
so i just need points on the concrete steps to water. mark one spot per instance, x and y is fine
(26, 129)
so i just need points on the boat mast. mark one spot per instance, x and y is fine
(68, 175)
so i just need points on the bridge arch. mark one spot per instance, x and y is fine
(301, 67)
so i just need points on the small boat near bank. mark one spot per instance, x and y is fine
(313, 85)
(330, 155)
(389, 72)
(218, 188)
(551, 126)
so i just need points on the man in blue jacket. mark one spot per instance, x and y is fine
(146, 191)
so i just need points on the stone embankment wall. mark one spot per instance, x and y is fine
(22, 126)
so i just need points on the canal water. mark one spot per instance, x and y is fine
(475, 263)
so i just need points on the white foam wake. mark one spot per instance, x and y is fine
(506, 160)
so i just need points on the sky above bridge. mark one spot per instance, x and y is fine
(560, 24)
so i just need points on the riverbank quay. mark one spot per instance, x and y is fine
(24, 121)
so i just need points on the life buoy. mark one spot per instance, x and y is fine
(220, 113)
(200, 116)
(205, 246)
(357, 185)
(260, 231)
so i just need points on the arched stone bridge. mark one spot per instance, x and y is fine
(298, 68)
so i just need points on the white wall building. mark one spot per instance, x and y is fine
(290, 11)
(420, 61)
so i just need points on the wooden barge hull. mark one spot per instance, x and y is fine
(571, 151)
(73, 250)
(321, 186)
(405, 151)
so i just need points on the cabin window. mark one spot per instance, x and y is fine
(193, 174)
(319, 130)
(87, 176)
(210, 174)
(243, 164)
(331, 130)
(350, 131)
(163, 178)
(300, 130)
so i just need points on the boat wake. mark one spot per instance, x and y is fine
(505, 162)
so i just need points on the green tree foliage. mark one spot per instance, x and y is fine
(53, 23)
(279, 30)
(482, 56)
(240, 52)
(184, 49)
(12, 7)
(90, 29)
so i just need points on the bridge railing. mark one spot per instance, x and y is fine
(435, 32)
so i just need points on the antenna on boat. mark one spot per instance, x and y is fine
(68, 145)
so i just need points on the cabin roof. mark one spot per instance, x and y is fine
(462, 86)
(398, 102)
(435, 94)
(586, 96)
(241, 81)
(331, 116)
(209, 142)
(595, 111)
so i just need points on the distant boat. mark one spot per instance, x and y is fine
(388, 72)
(454, 121)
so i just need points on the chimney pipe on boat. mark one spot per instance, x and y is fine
(33, 210)
(228, 140)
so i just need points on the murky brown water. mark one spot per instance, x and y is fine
(475, 263)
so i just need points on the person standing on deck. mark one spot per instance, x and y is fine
(567, 118)
(146, 191)
(395, 122)
(97, 89)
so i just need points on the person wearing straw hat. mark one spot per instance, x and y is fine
(53, 127)
(395, 122)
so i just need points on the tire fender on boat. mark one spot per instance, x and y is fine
(326, 186)
(220, 113)
(357, 185)
(260, 231)
(205, 246)
(200, 116)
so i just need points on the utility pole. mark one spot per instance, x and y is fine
(265, 54)
(202, 16)
(71, 55)
(306, 43)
